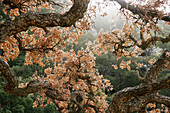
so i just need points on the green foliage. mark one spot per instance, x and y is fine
(119, 78)
(18, 109)
(26, 71)
(50, 109)
(7, 111)
(122, 78)
(15, 104)
(19, 61)
(109, 98)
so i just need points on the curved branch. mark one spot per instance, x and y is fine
(21, 48)
(49, 93)
(146, 44)
(149, 81)
(161, 39)
(140, 103)
(122, 98)
(137, 10)
(22, 22)
(32, 87)
(125, 98)
(143, 90)
(156, 68)
(160, 99)
(4, 70)
(11, 84)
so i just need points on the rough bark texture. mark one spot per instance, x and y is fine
(137, 10)
(135, 99)
(32, 87)
(11, 85)
(22, 22)
(157, 67)
(132, 99)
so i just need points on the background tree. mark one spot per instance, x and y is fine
(73, 83)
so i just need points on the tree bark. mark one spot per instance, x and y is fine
(132, 99)
(135, 99)
(137, 10)
(24, 21)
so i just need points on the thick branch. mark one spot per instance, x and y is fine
(123, 97)
(143, 90)
(49, 93)
(32, 87)
(128, 96)
(22, 22)
(137, 10)
(163, 40)
(160, 99)
(4, 70)
(146, 44)
(11, 84)
(156, 68)
(140, 103)
(21, 48)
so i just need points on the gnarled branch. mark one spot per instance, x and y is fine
(11, 84)
(146, 44)
(156, 68)
(21, 48)
(22, 22)
(140, 103)
(123, 100)
(137, 10)
(32, 87)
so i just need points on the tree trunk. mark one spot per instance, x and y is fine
(135, 99)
